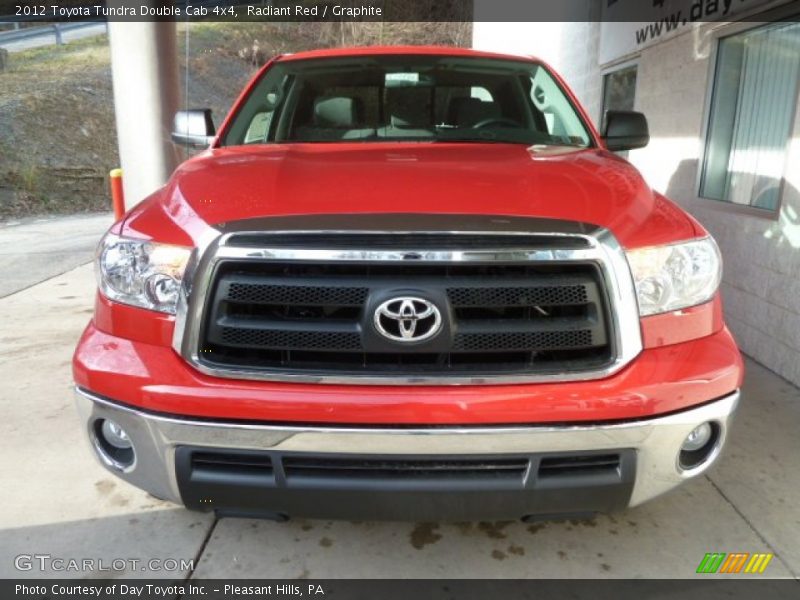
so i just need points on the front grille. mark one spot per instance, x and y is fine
(427, 487)
(316, 318)
(207, 464)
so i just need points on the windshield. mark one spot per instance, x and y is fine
(407, 98)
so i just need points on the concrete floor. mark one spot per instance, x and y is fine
(60, 502)
(35, 249)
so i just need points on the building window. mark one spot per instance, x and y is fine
(753, 103)
(619, 89)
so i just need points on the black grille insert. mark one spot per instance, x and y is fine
(554, 295)
(274, 338)
(380, 468)
(309, 295)
(578, 465)
(520, 341)
(231, 463)
(296, 317)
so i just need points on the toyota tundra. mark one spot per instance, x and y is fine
(407, 283)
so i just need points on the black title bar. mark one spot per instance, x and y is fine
(669, 12)
(704, 587)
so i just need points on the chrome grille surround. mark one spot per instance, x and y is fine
(591, 245)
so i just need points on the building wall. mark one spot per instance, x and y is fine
(761, 284)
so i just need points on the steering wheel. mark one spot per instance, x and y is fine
(496, 121)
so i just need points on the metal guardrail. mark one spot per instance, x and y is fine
(56, 29)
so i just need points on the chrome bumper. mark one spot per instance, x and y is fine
(656, 441)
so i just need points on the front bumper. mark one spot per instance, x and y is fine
(648, 451)
(154, 378)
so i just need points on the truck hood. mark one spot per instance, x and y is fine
(592, 186)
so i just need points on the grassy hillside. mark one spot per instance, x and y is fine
(57, 136)
(57, 130)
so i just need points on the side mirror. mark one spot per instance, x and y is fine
(625, 130)
(193, 127)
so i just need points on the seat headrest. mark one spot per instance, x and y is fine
(336, 111)
(465, 112)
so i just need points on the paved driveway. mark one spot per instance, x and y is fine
(33, 250)
(60, 502)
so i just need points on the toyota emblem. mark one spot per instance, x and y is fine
(408, 319)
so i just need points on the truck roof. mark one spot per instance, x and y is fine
(401, 50)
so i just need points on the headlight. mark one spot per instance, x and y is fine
(141, 273)
(675, 276)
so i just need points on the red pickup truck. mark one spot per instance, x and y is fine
(407, 283)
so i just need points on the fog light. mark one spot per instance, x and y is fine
(115, 435)
(113, 445)
(697, 438)
(699, 445)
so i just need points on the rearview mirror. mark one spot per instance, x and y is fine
(625, 130)
(193, 127)
(407, 79)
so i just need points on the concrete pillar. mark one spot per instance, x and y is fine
(144, 62)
